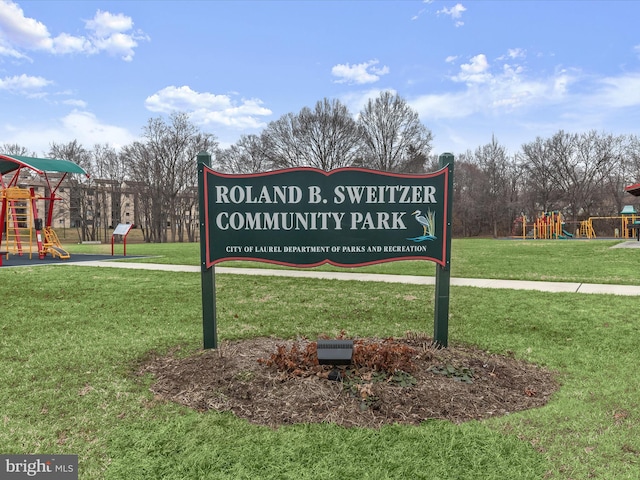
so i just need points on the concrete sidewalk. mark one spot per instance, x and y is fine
(630, 290)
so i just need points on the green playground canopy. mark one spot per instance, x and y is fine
(9, 163)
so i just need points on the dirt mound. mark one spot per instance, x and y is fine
(456, 383)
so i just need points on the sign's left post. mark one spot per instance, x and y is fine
(208, 274)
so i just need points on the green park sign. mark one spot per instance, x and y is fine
(304, 217)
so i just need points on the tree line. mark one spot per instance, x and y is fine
(578, 174)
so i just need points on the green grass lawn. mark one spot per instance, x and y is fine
(71, 338)
(586, 261)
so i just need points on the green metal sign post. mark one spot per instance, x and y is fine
(304, 217)
(208, 281)
(443, 272)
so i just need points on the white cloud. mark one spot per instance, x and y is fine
(417, 15)
(562, 79)
(173, 98)
(356, 101)
(18, 31)
(117, 44)
(488, 92)
(206, 108)
(421, 11)
(105, 24)
(23, 83)
(455, 13)
(7, 51)
(474, 72)
(78, 125)
(111, 33)
(75, 103)
(447, 105)
(618, 92)
(513, 54)
(107, 32)
(505, 95)
(65, 44)
(85, 127)
(516, 53)
(360, 73)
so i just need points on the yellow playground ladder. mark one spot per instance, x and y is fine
(586, 229)
(18, 220)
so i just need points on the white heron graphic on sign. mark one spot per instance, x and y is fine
(428, 223)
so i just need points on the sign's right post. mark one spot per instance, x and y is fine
(443, 272)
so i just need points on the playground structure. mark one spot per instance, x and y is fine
(551, 225)
(24, 232)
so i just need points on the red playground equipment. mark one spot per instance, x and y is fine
(549, 225)
(21, 225)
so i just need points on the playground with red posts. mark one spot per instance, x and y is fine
(25, 216)
(553, 226)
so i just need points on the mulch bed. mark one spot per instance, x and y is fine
(457, 384)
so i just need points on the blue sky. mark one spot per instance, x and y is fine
(97, 71)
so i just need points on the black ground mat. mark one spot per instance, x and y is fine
(24, 260)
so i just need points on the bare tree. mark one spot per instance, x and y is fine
(580, 175)
(468, 218)
(328, 135)
(110, 174)
(631, 168)
(165, 162)
(581, 162)
(516, 200)
(325, 137)
(392, 134)
(542, 190)
(494, 164)
(142, 179)
(84, 208)
(281, 144)
(615, 173)
(245, 156)
(631, 164)
(15, 149)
